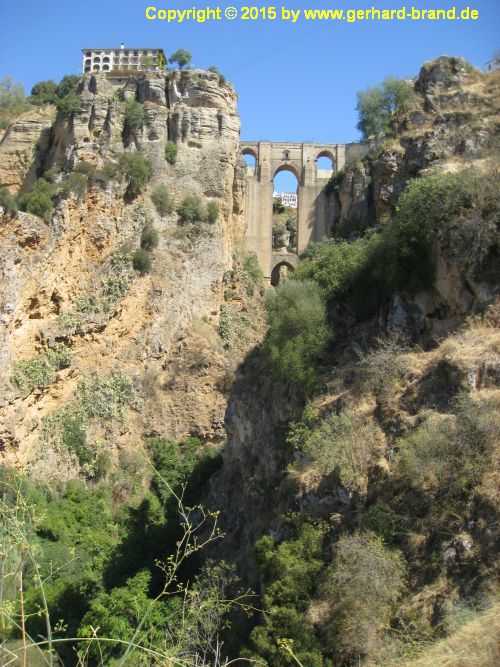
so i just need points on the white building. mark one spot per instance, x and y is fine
(493, 65)
(123, 60)
(287, 198)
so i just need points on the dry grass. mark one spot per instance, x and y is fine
(473, 645)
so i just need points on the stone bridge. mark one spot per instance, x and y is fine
(312, 214)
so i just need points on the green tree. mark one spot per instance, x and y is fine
(182, 57)
(171, 152)
(12, 101)
(191, 209)
(44, 92)
(378, 105)
(149, 238)
(298, 333)
(67, 85)
(137, 169)
(161, 199)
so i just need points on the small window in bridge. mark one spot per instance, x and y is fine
(324, 163)
(250, 160)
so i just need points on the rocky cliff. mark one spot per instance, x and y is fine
(56, 277)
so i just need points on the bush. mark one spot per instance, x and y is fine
(141, 261)
(298, 335)
(149, 238)
(7, 202)
(135, 115)
(39, 372)
(191, 209)
(44, 92)
(252, 268)
(39, 200)
(108, 171)
(288, 573)
(138, 170)
(67, 85)
(69, 104)
(161, 199)
(212, 211)
(85, 168)
(452, 452)
(363, 584)
(76, 184)
(171, 152)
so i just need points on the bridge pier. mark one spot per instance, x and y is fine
(301, 159)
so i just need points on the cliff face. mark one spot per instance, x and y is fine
(49, 270)
(454, 126)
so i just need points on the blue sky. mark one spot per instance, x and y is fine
(295, 82)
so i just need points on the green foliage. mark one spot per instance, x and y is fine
(85, 168)
(67, 85)
(137, 169)
(149, 238)
(135, 115)
(7, 202)
(252, 269)
(171, 152)
(76, 183)
(289, 574)
(141, 261)
(161, 199)
(118, 613)
(363, 584)
(70, 104)
(191, 209)
(40, 371)
(435, 208)
(39, 200)
(212, 211)
(44, 92)
(452, 452)
(298, 335)
(109, 171)
(377, 106)
(182, 57)
(12, 101)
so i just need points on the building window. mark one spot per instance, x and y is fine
(105, 59)
(88, 53)
(105, 67)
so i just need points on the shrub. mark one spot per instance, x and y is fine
(171, 152)
(363, 584)
(141, 261)
(50, 174)
(108, 171)
(70, 104)
(212, 211)
(191, 209)
(346, 443)
(85, 168)
(288, 573)
(39, 200)
(450, 452)
(7, 202)
(137, 169)
(40, 371)
(298, 335)
(44, 92)
(149, 238)
(67, 85)
(161, 200)
(135, 116)
(252, 268)
(76, 184)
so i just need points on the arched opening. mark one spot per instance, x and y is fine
(325, 164)
(105, 68)
(96, 68)
(285, 210)
(105, 59)
(250, 158)
(281, 273)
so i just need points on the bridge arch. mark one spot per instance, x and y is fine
(280, 272)
(286, 166)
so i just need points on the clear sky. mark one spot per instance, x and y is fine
(295, 82)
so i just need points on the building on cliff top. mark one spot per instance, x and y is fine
(122, 60)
